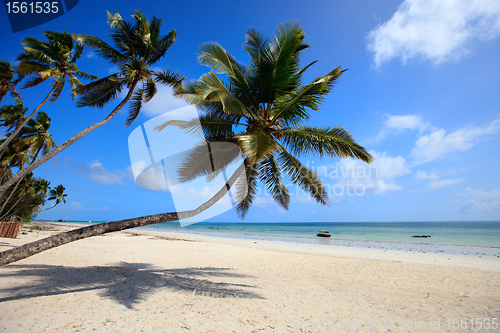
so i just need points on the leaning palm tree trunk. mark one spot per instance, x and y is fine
(67, 143)
(4, 145)
(27, 250)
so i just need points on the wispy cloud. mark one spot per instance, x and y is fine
(445, 182)
(395, 124)
(480, 201)
(438, 144)
(437, 30)
(422, 175)
(76, 205)
(96, 171)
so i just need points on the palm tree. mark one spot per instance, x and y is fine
(36, 134)
(261, 108)
(7, 81)
(28, 205)
(11, 116)
(138, 46)
(54, 59)
(269, 100)
(58, 195)
(16, 156)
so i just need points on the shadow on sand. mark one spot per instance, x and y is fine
(126, 283)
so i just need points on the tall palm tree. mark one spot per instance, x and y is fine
(137, 46)
(7, 81)
(261, 107)
(54, 59)
(58, 195)
(267, 99)
(36, 134)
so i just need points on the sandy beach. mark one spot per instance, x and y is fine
(142, 281)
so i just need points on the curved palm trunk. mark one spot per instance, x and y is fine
(27, 250)
(66, 144)
(48, 208)
(25, 121)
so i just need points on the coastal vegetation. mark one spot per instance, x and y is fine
(33, 140)
(260, 107)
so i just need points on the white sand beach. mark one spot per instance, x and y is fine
(141, 281)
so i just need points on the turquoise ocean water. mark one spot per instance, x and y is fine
(476, 234)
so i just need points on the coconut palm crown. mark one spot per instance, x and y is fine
(137, 46)
(55, 58)
(261, 107)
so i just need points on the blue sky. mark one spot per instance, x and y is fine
(421, 94)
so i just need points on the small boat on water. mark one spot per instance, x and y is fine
(421, 236)
(323, 233)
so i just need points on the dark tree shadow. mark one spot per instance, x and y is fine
(126, 283)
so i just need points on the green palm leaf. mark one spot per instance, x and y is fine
(326, 141)
(270, 175)
(302, 176)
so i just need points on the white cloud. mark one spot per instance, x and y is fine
(437, 30)
(395, 124)
(481, 201)
(163, 101)
(422, 175)
(437, 144)
(445, 182)
(96, 171)
(374, 178)
(76, 205)
(405, 122)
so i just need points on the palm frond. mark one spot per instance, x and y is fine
(168, 77)
(101, 48)
(135, 106)
(292, 107)
(59, 88)
(212, 89)
(205, 158)
(257, 145)
(220, 61)
(270, 175)
(108, 90)
(329, 141)
(162, 45)
(250, 188)
(302, 176)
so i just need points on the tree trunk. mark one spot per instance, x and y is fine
(12, 207)
(27, 250)
(66, 144)
(25, 121)
(10, 196)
